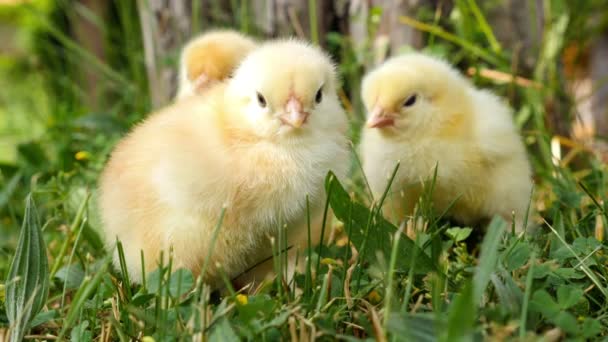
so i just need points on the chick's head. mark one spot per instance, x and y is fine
(414, 94)
(213, 57)
(287, 88)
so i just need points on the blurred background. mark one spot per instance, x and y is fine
(76, 75)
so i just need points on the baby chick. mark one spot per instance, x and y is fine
(423, 113)
(209, 58)
(255, 145)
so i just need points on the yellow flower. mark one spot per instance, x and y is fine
(374, 297)
(242, 299)
(342, 241)
(328, 261)
(148, 339)
(82, 155)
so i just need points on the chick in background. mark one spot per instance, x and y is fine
(423, 113)
(209, 58)
(256, 145)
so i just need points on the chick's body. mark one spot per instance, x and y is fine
(210, 58)
(424, 114)
(234, 148)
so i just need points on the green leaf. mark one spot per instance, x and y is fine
(256, 307)
(544, 269)
(181, 282)
(381, 230)
(585, 246)
(462, 315)
(153, 281)
(80, 333)
(566, 321)
(569, 273)
(591, 327)
(44, 317)
(223, 332)
(142, 300)
(518, 256)
(488, 257)
(543, 302)
(71, 275)
(177, 286)
(568, 296)
(458, 234)
(9, 189)
(509, 294)
(278, 320)
(411, 327)
(28, 277)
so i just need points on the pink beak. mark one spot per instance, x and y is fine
(294, 116)
(201, 82)
(379, 118)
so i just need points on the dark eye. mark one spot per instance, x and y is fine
(261, 100)
(410, 101)
(319, 96)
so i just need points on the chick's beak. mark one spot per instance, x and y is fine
(294, 116)
(201, 81)
(379, 118)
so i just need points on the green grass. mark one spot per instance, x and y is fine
(427, 280)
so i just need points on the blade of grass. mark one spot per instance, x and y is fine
(86, 290)
(9, 189)
(69, 264)
(196, 15)
(308, 278)
(386, 190)
(349, 229)
(123, 270)
(410, 283)
(216, 232)
(325, 212)
(462, 315)
(528, 292)
(314, 29)
(28, 276)
(360, 166)
(438, 31)
(363, 247)
(244, 17)
(75, 224)
(324, 288)
(143, 270)
(488, 258)
(391, 275)
(276, 265)
(595, 201)
(484, 26)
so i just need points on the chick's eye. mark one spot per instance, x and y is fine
(319, 96)
(410, 101)
(261, 100)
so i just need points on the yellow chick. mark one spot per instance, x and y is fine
(423, 113)
(209, 58)
(256, 145)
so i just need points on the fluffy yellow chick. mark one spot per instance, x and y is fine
(255, 145)
(422, 113)
(209, 58)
